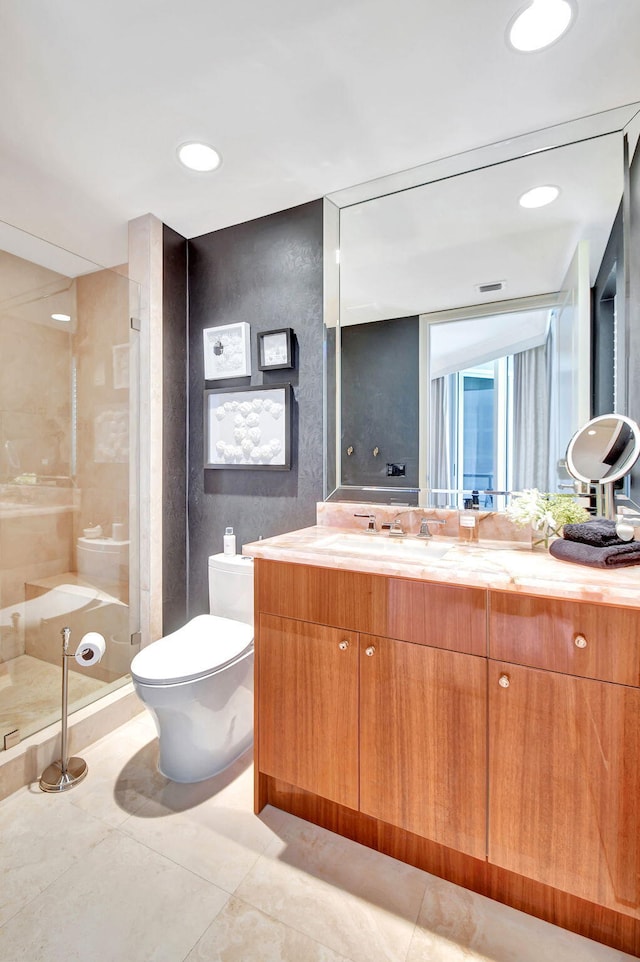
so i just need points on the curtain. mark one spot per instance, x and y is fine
(531, 392)
(441, 468)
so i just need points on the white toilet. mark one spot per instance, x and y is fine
(197, 682)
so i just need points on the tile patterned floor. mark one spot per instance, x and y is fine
(129, 867)
(30, 693)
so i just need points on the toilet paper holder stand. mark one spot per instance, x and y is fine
(66, 772)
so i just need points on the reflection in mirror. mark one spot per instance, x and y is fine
(458, 255)
(495, 401)
(505, 394)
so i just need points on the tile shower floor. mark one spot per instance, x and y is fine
(130, 867)
(30, 693)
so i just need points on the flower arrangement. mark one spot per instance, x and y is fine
(545, 513)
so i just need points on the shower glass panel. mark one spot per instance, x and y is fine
(68, 479)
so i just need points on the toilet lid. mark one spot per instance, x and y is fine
(205, 644)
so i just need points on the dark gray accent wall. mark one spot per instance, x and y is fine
(267, 272)
(174, 430)
(608, 299)
(379, 402)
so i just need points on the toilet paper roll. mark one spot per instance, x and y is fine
(91, 649)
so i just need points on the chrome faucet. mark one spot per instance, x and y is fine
(372, 520)
(424, 527)
(394, 528)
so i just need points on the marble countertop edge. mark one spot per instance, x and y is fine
(499, 566)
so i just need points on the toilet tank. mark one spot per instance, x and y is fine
(231, 587)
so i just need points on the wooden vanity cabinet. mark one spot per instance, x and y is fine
(491, 738)
(564, 775)
(390, 728)
(423, 741)
(307, 715)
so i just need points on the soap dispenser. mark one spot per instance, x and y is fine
(468, 523)
(229, 541)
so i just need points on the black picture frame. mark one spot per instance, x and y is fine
(248, 428)
(275, 349)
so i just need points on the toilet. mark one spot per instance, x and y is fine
(197, 682)
(103, 561)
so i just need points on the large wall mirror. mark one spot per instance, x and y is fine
(459, 320)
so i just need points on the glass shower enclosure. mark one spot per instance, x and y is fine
(69, 361)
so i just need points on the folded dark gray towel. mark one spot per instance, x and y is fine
(598, 532)
(610, 556)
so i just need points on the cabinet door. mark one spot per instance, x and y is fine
(564, 783)
(423, 741)
(307, 709)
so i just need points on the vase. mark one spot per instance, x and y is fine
(542, 536)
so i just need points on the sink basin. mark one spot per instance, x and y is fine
(383, 546)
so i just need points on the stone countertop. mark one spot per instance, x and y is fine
(499, 565)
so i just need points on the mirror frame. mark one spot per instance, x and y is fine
(617, 120)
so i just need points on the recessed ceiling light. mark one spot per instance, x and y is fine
(539, 196)
(60, 317)
(200, 157)
(540, 24)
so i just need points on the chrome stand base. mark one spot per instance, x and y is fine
(53, 779)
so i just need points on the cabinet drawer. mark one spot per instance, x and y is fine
(425, 613)
(592, 641)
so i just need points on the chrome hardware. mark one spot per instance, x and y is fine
(370, 651)
(424, 527)
(372, 520)
(376, 451)
(394, 528)
(343, 645)
(350, 450)
(66, 772)
(504, 681)
(580, 641)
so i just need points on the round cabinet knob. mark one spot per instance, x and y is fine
(504, 681)
(370, 651)
(580, 641)
(343, 645)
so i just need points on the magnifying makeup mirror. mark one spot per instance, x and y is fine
(602, 452)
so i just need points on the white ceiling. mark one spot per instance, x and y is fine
(429, 248)
(301, 98)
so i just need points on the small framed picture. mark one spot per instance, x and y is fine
(275, 349)
(227, 351)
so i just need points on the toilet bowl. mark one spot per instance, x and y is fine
(197, 682)
(103, 561)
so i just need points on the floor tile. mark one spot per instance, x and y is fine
(129, 866)
(456, 925)
(41, 836)
(361, 904)
(31, 693)
(122, 776)
(242, 933)
(218, 843)
(121, 902)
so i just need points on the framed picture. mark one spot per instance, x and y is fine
(275, 349)
(227, 351)
(248, 427)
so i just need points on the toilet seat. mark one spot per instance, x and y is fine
(205, 644)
